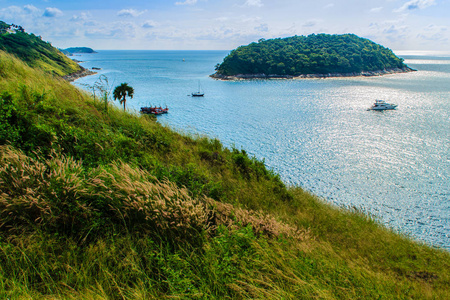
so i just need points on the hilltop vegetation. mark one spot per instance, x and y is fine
(80, 50)
(3, 26)
(35, 52)
(104, 204)
(313, 54)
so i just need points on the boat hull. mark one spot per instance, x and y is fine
(382, 105)
(383, 108)
(154, 110)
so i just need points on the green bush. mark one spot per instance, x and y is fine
(9, 133)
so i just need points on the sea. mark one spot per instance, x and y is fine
(315, 133)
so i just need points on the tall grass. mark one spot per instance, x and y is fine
(105, 204)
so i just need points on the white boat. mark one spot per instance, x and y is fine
(382, 105)
(199, 93)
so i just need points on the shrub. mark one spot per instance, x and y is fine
(58, 195)
(8, 115)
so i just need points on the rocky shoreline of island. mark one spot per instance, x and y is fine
(313, 76)
(83, 72)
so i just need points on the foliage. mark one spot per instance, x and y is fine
(8, 114)
(37, 53)
(121, 92)
(59, 196)
(101, 86)
(3, 26)
(80, 50)
(313, 54)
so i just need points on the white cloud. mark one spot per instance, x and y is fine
(79, 18)
(394, 29)
(256, 3)
(262, 28)
(91, 23)
(10, 12)
(415, 4)
(19, 15)
(116, 30)
(52, 12)
(30, 8)
(222, 19)
(434, 34)
(311, 23)
(149, 24)
(245, 19)
(376, 9)
(187, 2)
(227, 24)
(434, 28)
(130, 13)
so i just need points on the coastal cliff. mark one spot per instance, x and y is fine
(35, 52)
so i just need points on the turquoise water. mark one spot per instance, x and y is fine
(316, 133)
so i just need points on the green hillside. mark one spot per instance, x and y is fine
(35, 52)
(313, 54)
(3, 26)
(105, 204)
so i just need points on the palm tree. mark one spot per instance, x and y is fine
(121, 92)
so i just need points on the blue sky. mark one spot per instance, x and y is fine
(226, 24)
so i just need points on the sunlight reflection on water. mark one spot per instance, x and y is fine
(318, 133)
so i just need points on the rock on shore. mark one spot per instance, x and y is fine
(328, 75)
(82, 73)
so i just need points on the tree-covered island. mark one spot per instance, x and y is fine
(77, 50)
(316, 55)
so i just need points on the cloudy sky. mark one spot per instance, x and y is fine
(226, 24)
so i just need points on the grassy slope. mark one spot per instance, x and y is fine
(37, 53)
(100, 212)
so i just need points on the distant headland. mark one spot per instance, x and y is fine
(77, 50)
(313, 56)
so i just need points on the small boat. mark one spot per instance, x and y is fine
(96, 68)
(382, 105)
(199, 93)
(154, 110)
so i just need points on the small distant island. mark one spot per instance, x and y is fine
(74, 50)
(313, 56)
(77, 50)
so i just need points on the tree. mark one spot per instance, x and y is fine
(121, 92)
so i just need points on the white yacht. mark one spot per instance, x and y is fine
(199, 93)
(382, 105)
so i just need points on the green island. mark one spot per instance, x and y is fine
(313, 56)
(73, 50)
(100, 203)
